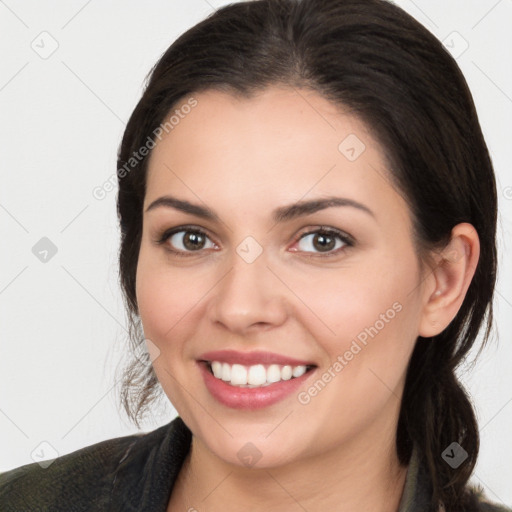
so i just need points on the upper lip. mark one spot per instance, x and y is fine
(252, 358)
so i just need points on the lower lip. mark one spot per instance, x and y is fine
(250, 398)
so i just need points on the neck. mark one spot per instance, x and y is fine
(357, 476)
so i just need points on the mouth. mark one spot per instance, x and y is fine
(252, 386)
(254, 376)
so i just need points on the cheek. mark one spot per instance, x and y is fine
(168, 307)
(165, 298)
(366, 323)
(370, 306)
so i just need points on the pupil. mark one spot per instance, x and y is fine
(193, 240)
(324, 242)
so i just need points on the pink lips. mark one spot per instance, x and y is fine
(250, 398)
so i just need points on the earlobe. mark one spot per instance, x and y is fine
(451, 276)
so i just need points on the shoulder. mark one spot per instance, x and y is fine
(41, 486)
(481, 503)
(418, 492)
(85, 477)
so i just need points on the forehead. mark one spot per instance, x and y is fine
(279, 125)
(278, 146)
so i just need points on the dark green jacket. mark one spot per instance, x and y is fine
(137, 473)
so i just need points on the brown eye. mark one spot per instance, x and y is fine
(189, 240)
(322, 242)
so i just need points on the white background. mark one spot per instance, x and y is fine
(62, 118)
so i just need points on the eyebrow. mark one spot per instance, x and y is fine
(281, 214)
(301, 208)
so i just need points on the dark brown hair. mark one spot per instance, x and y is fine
(373, 58)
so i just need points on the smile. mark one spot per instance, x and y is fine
(252, 380)
(257, 375)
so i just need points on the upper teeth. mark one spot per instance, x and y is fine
(255, 375)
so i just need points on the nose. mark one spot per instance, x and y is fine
(249, 298)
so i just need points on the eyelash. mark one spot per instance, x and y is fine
(344, 237)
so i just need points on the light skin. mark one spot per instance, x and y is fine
(243, 159)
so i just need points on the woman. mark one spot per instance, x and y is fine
(308, 217)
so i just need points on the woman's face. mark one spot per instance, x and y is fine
(289, 247)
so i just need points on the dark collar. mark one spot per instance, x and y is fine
(145, 476)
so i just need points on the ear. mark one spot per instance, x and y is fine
(449, 279)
